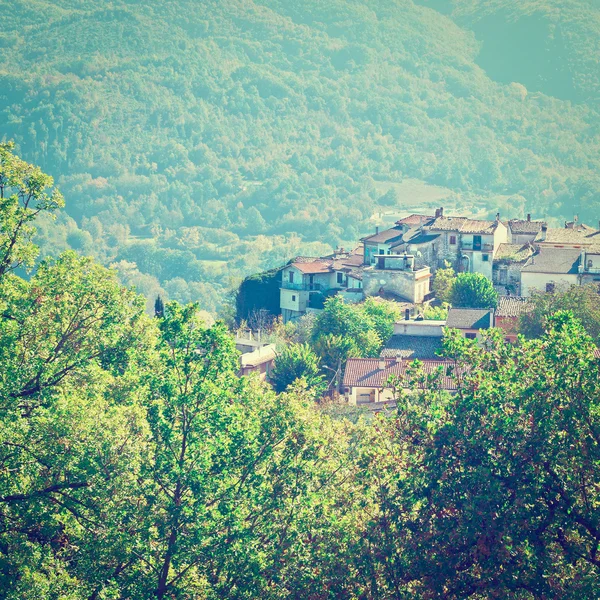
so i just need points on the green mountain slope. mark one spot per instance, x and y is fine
(198, 142)
(550, 46)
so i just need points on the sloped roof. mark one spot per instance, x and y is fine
(412, 347)
(383, 237)
(468, 318)
(463, 225)
(562, 261)
(312, 266)
(416, 220)
(513, 306)
(523, 226)
(448, 223)
(366, 372)
(568, 235)
(514, 253)
(416, 236)
(477, 226)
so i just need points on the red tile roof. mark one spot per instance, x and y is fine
(416, 220)
(366, 372)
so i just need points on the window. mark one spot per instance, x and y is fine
(293, 298)
(291, 276)
(340, 278)
(549, 287)
(381, 251)
(485, 257)
(453, 240)
(471, 336)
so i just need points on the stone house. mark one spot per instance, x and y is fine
(398, 276)
(506, 269)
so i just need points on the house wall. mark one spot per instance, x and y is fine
(373, 249)
(507, 275)
(412, 285)
(363, 395)
(293, 299)
(537, 281)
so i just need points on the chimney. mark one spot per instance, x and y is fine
(437, 213)
(497, 216)
(407, 314)
(376, 230)
(528, 217)
(381, 364)
(543, 232)
(441, 211)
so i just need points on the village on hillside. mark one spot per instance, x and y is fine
(520, 257)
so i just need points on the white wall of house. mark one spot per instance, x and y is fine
(295, 300)
(364, 395)
(538, 281)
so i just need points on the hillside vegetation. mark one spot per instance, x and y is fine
(201, 142)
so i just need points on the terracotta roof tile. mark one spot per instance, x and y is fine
(416, 220)
(513, 306)
(412, 347)
(524, 226)
(366, 372)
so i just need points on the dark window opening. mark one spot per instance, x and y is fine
(452, 240)
(485, 257)
(549, 287)
(471, 336)
(293, 298)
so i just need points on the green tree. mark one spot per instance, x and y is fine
(443, 282)
(582, 301)
(297, 361)
(473, 290)
(344, 330)
(501, 475)
(25, 192)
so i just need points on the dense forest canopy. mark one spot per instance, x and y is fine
(199, 142)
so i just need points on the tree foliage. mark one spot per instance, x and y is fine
(582, 301)
(293, 362)
(473, 290)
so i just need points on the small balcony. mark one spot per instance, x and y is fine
(477, 247)
(302, 287)
(589, 270)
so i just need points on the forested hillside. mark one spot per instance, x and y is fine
(202, 141)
